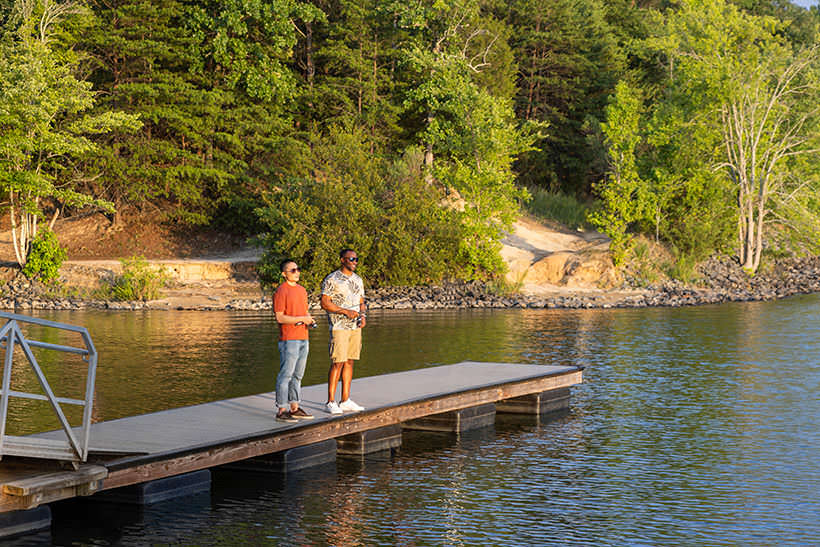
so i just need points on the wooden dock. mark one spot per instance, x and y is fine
(154, 446)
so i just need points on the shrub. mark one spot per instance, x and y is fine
(139, 280)
(356, 198)
(45, 258)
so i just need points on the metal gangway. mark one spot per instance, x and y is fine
(72, 449)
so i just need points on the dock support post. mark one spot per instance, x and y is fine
(456, 421)
(536, 403)
(17, 523)
(369, 441)
(158, 490)
(290, 460)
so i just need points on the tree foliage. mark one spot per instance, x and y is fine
(381, 207)
(569, 61)
(717, 151)
(45, 122)
(252, 112)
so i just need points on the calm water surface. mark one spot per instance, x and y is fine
(695, 426)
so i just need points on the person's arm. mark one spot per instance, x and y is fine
(330, 307)
(283, 319)
(280, 304)
(362, 310)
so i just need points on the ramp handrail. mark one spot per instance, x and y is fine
(11, 335)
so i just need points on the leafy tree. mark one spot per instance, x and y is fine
(45, 122)
(759, 99)
(212, 83)
(721, 143)
(356, 53)
(471, 136)
(569, 61)
(624, 195)
(381, 207)
(800, 26)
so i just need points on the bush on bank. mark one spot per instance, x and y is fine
(380, 207)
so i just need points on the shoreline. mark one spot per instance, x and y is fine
(722, 281)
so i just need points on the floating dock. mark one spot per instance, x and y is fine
(151, 447)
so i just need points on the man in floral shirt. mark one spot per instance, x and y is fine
(343, 300)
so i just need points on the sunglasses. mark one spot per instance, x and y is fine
(354, 259)
(294, 270)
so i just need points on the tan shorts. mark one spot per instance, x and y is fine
(345, 345)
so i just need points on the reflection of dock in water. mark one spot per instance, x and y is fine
(150, 448)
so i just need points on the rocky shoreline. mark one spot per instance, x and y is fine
(722, 280)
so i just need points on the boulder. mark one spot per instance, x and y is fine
(590, 269)
(550, 269)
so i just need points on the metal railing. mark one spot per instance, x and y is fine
(73, 449)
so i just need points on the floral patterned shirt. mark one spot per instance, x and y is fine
(346, 292)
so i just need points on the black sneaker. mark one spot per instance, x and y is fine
(285, 416)
(300, 414)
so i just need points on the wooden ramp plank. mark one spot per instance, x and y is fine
(29, 446)
(27, 486)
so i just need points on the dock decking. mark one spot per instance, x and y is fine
(172, 442)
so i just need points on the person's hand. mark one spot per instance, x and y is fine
(363, 322)
(309, 320)
(351, 314)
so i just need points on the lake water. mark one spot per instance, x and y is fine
(694, 426)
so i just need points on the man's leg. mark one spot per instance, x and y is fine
(339, 340)
(287, 364)
(353, 352)
(295, 385)
(347, 378)
(333, 376)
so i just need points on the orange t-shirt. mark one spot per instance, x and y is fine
(291, 300)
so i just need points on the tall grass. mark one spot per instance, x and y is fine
(559, 207)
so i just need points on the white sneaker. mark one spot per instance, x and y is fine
(350, 405)
(333, 407)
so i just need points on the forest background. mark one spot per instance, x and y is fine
(414, 132)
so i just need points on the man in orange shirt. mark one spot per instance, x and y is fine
(290, 304)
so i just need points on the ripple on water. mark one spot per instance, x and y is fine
(695, 426)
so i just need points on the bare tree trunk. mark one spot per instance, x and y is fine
(741, 231)
(748, 251)
(14, 235)
(761, 212)
(54, 218)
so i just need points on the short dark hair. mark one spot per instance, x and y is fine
(285, 263)
(344, 251)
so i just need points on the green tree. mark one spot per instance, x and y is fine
(45, 124)
(724, 140)
(356, 53)
(212, 83)
(625, 196)
(470, 136)
(758, 99)
(381, 207)
(569, 61)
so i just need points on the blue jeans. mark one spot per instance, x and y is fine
(292, 360)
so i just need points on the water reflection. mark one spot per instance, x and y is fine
(694, 426)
